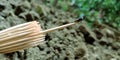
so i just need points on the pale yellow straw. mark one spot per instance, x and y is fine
(24, 36)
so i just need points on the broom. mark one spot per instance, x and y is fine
(24, 36)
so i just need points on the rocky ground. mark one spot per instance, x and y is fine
(79, 42)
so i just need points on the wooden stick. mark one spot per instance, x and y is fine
(21, 43)
(4, 37)
(14, 27)
(21, 40)
(59, 27)
(23, 36)
(23, 46)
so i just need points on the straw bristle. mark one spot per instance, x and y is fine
(20, 37)
(24, 36)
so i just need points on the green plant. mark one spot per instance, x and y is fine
(104, 11)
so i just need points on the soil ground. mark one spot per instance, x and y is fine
(78, 42)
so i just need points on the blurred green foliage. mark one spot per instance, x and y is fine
(103, 11)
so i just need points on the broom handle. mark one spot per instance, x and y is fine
(60, 27)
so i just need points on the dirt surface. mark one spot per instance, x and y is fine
(79, 42)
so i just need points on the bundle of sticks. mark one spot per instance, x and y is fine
(24, 36)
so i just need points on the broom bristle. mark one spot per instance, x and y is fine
(24, 36)
(20, 37)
